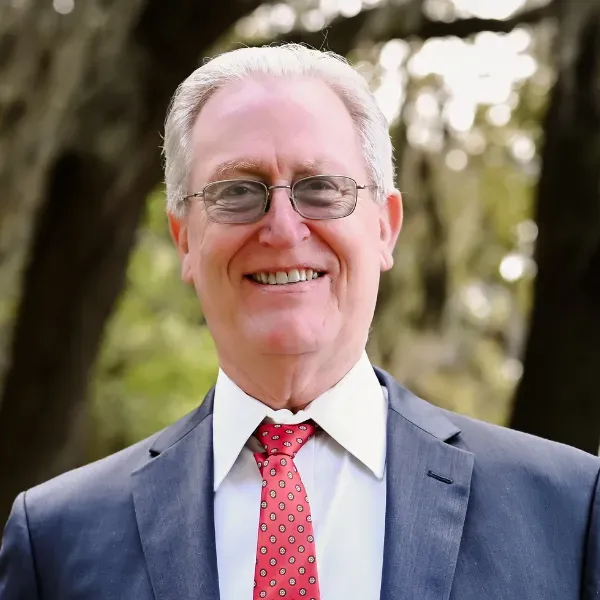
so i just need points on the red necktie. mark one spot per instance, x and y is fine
(286, 563)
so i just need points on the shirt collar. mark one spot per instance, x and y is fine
(353, 412)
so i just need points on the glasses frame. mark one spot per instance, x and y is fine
(267, 202)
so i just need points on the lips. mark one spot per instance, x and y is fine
(285, 277)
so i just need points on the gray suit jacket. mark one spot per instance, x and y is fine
(474, 512)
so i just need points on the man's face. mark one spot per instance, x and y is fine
(278, 131)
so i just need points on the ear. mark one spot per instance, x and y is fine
(390, 224)
(179, 234)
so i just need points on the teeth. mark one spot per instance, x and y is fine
(281, 277)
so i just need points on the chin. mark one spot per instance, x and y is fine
(287, 339)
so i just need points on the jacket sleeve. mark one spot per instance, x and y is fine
(591, 574)
(17, 567)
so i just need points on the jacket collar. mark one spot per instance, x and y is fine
(428, 487)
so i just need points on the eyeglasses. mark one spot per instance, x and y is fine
(246, 201)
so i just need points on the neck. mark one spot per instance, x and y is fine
(289, 381)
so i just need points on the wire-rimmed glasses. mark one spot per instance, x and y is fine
(246, 201)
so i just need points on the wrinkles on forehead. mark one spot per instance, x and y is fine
(230, 169)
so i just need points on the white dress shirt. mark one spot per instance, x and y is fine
(342, 468)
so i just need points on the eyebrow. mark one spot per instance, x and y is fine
(232, 168)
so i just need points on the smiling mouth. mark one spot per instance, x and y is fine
(285, 277)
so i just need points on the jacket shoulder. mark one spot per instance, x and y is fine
(500, 453)
(501, 447)
(101, 484)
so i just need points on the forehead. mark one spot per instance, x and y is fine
(276, 127)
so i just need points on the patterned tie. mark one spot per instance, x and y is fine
(286, 564)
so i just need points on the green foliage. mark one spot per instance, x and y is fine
(468, 198)
(158, 359)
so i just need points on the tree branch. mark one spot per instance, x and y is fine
(382, 24)
(463, 28)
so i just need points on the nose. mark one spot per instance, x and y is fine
(282, 227)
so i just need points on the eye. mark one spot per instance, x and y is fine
(323, 189)
(240, 189)
(318, 185)
(236, 192)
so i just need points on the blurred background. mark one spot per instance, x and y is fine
(492, 309)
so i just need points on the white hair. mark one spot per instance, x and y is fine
(277, 61)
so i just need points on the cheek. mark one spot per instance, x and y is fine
(195, 261)
(202, 243)
(362, 261)
(359, 251)
(213, 255)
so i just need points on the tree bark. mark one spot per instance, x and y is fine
(82, 101)
(558, 397)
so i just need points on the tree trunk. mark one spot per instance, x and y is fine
(559, 395)
(82, 102)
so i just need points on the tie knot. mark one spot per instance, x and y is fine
(284, 439)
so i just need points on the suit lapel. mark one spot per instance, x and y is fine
(173, 498)
(428, 484)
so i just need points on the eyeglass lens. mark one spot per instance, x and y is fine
(245, 201)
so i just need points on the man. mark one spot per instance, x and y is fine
(305, 473)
